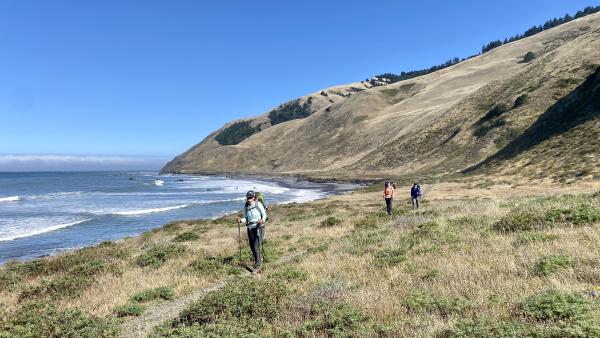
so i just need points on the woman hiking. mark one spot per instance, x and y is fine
(415, 195)
(389, 194)
(255, 217)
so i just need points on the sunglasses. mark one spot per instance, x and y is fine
(249, 197)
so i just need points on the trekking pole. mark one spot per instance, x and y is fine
(239, 242)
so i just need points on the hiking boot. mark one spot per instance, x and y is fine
(256, 271)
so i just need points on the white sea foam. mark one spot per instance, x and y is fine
(159, 182)
(20, 233)
(148, 211)
(10, 199)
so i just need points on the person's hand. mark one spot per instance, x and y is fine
(260, 221)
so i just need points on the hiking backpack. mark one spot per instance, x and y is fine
(260, 198)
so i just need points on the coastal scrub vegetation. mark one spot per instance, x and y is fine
(236, 133)
(388, 78)
(509, 266)
(290, 111)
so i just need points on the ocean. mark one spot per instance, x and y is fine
(42, 213)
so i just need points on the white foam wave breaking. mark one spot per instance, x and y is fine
(10, 199)
(38, 231)
(148, 211)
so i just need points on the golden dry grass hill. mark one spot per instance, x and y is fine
(534, 118)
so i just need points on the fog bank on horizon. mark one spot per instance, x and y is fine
(18, 163)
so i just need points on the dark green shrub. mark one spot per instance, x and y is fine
(47, 320)
(65, 286)
(247, 299)
(421, 301)
(186, 236)
(581, 215)
(551, 264)
(163, 292)
(554, 305)
(158, 255)
(209, 265)
(129, 310)
(498, 110)
(236, 133)
(521, 100)
(486, 327)
(521, 219)
(290, 111)
(530, 56)
(290, 274)
(330, 221)
(333, 320)
(389, 257)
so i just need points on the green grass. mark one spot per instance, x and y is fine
(552, 305)
(290, 274)
(530, 237)
(422, 301)
(528, 217)
(331, 221)
(127, 310)
(47, 320)
(246, 299)
(157, 255)
(548, 265)
(186, 236)
(163, 292)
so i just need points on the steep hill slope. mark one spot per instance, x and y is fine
(442, 122)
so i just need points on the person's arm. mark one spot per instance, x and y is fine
(393, 193)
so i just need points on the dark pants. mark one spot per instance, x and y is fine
(388, 204)
(415, 202)
(255, 236)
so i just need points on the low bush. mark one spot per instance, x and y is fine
(127, 310)
(47, 320)
(530, 56)
(389, 257)
(333, 320)
(163, 292)
(521, 219)
(247, 299)
(210, 265)
(330, 221)
(550, 264)
(582, 214)
(486, 327)
(521, 100)
(552, 305)
(290, 274)
(186, 236)
(65, 286)
(158, 255)
(421, 301)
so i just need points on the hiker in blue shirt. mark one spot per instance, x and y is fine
(255, 217)
(415, 194)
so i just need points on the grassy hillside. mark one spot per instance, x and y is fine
(461, 266)
(440, 123)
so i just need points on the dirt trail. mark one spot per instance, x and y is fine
(143, 325)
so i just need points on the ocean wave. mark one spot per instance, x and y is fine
(10, 199)
(38, 231)
(148, 211)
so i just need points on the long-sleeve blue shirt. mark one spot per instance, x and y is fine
(254, 213)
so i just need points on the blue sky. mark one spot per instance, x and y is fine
(152, 78)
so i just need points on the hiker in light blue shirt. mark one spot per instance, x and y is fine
(255, 217)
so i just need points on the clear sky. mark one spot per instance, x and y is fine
(152, 78)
